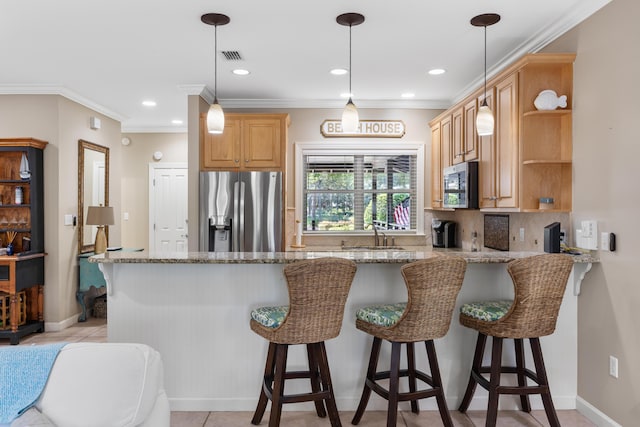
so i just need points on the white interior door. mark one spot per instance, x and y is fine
(168, 208)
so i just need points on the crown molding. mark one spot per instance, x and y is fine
(534, 44)
(37, 89)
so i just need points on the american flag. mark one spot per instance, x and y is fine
(401, 213)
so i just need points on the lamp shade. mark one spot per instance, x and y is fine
(484, 121)
(350, 118)
(215, 118)
(100, 215)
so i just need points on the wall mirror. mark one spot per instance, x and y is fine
(93, 189)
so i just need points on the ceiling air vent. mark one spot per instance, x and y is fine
(232, 55)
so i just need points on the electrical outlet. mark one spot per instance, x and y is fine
(613, 366)
(522, 234)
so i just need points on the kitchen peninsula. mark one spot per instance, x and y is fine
(194, 309)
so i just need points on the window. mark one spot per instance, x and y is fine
(350, 191)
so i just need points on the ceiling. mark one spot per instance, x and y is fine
(110, 55)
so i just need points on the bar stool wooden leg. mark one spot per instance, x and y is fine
(541, 373)
(371, 373)
(475, 368)
(411, 371)
(266, 379)
(394, 384)
(325, 378)
(437, 384)
(314, 375)
(520, 369)
(494, 381)
(278, 384)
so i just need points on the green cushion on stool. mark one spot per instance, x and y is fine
(489, 311)
(271, 317)
(382, 315)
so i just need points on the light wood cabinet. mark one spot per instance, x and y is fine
(506, 161)
(471, 151)
(465, 137)
(249, 142)
(441, 157)
(436, 167)
(529, 155)
(457, 136)
(487, 164)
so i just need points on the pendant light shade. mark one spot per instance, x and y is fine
(350, 117)
(215, 115)
(215, 118)
(484, 119)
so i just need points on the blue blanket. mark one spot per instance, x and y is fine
(24, 371)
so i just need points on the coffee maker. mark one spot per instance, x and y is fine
(443, 233)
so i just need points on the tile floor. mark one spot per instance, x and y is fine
(95, 330)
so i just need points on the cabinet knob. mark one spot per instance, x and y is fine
(246, 160)
(236, 160)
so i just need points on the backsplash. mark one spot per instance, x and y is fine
(468, 222)
(533, 224)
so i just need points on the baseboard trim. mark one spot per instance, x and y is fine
(595, 415)
(376, 403)
(60, 326)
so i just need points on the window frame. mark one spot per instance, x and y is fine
(370, 147)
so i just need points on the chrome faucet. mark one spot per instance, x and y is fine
(376, 239)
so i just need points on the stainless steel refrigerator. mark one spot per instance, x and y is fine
(241, 211)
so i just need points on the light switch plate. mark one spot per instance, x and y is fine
(587, 236)
(68, 219)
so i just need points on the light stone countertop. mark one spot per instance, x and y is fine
(360, 256)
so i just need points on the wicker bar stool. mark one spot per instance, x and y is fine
(539, 283)
(432, 286)
(318, 290)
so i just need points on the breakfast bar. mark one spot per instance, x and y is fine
(194, 309)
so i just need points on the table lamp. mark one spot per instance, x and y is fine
(100, 216)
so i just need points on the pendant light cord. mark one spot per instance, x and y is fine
(215, 65)
(484, 101)
(350, 94)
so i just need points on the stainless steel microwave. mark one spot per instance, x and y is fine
(461, 186)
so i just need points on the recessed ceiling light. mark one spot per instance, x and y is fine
(437, 71)
(149, 103)
(346, 95)
(176, 122)
(240, 72)
(408, 95)
(339, 71)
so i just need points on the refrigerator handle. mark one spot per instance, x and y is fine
(235, 231)
(241, 222)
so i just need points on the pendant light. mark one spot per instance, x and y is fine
(484, 118)
(350, 119)
(215, 116)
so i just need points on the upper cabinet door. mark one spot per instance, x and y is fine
(470, 133)
(220, 151)
(436, 167)
(487, 162)
(507, 142)
(457, 141)
(262, 143)
(446, 133)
